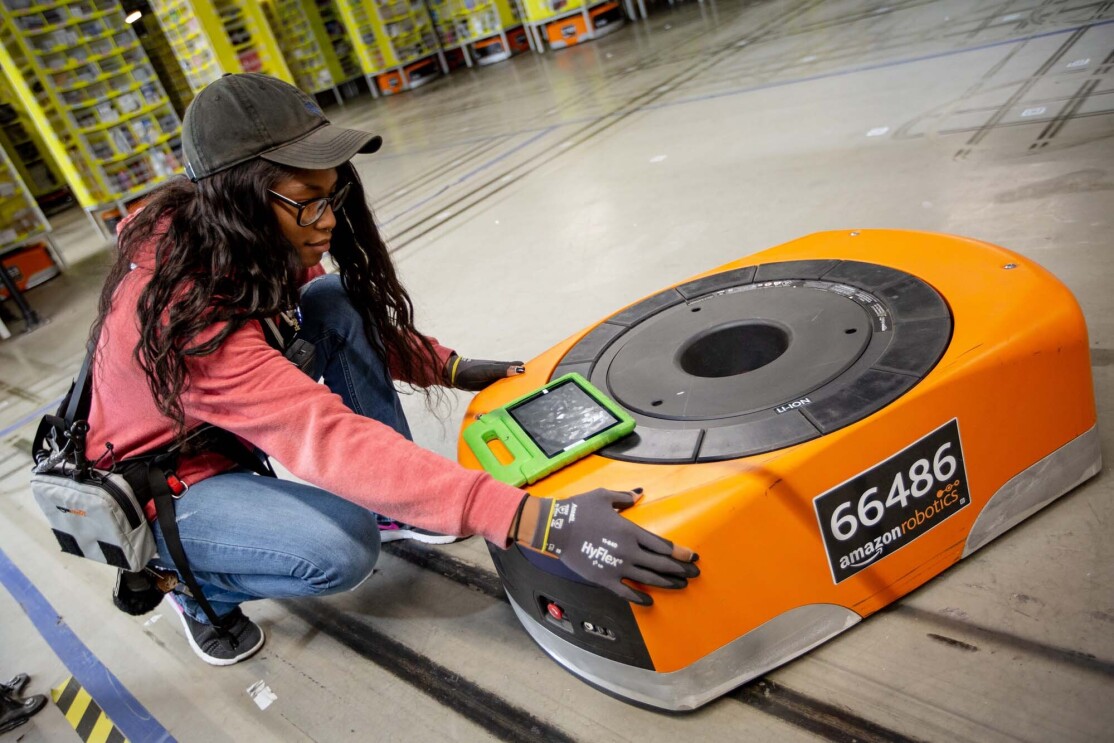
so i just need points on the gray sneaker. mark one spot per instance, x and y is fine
(243, 640)
(393, 531)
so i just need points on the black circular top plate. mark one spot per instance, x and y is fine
(759, 358)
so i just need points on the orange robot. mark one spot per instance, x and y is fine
(829, 423)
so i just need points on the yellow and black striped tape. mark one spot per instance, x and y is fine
(82, 711)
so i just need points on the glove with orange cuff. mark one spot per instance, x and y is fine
(587, 534)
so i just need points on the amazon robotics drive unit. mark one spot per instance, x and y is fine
(829, 423)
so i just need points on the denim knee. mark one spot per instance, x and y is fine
(326, 296)
(344, 561)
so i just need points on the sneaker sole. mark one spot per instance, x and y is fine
(201, 653)
(396, 535)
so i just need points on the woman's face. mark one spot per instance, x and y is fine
(311, 242)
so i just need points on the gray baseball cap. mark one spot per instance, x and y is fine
(243, 116)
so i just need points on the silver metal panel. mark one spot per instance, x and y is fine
(1035, 487)
(777, 641)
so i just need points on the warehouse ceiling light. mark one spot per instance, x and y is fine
(133, 16)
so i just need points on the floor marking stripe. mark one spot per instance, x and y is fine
(102, 730)
(133, 719)
(65, 698)
(83, 713)
(78, 707)
(89, 719)
(50, 407)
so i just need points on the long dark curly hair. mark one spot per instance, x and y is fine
(223, 259)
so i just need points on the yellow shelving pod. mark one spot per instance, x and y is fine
(25, 246)
(357, 16)
(561, 23)
(395, 41)
(307, 48)
(21, 220)
(19, 137)
(85, 81)
(325, 17)
(412, 49)
(485, 31)
(188, 41)
(211, 37)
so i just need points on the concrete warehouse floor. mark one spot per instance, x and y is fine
(527, 200)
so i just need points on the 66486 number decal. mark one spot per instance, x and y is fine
(878, 512)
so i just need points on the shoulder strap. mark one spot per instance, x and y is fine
(53, 430)
(81, 394)
(273, 334)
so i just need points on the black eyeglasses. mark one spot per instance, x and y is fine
(311, 210)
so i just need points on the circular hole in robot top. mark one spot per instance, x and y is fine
(696, 309)
(851, 331)
(655, 403)
(733, 349)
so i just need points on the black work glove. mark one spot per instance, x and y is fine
(587, 534)
(476, 374)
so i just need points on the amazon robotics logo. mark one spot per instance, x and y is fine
(877, 512)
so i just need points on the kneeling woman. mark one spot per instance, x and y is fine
(202, 269)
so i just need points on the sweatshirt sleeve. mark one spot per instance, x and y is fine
(426, 376)
(249, 389)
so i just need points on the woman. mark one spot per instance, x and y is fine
(202, 269)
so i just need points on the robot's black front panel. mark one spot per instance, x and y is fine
(585, 615)
(762, 357)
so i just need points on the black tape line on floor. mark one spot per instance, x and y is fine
(490, 711)
(456, 570)
(1076, 658)
(762, 694)
(821, 718)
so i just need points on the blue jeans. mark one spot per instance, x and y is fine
(251, 537)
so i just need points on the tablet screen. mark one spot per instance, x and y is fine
(562, 416)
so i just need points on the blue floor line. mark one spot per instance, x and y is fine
(48, 408)
(125, 711)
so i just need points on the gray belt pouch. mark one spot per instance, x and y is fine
(96, 516)
(93, 512)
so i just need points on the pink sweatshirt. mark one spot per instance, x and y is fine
(248, 388)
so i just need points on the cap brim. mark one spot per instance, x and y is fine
(325, 147)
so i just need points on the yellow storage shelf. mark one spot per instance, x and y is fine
(541, 11)
(20, 217)
(212, 37)
(105, 125)
(462, 24)
(108, 90)
(562, 23)
(19, 137)
(95, 58)
(310, 54)
(33, 32)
